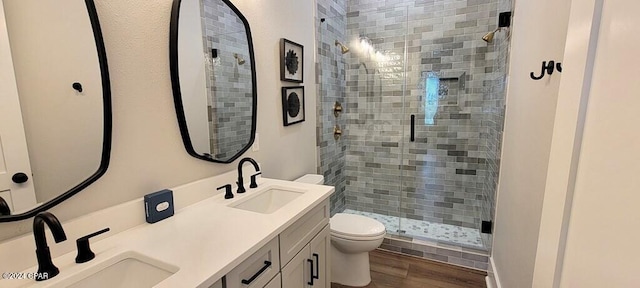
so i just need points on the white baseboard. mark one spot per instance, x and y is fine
(492, 279)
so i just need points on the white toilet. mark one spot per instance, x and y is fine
(352, 237)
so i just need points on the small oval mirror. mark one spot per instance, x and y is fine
(213, 78)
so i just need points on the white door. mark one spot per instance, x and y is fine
(601, 248)
(14, 157)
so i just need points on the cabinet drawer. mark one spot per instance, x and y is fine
(258, 269)
(276, 282)
(294, 238)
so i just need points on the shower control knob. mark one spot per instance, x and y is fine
(337, 109)
(337, 132)
(19, 178)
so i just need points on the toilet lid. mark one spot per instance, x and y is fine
(311, 179)
(355, 225)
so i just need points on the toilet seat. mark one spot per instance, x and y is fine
(356, 227)
(356, 238)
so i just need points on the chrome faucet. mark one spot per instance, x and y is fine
(240, 180)
(46, 269)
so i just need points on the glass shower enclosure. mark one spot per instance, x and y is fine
(424, 106)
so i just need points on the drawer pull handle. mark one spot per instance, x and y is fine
(310, 272)
(317, 276)
(267, 264)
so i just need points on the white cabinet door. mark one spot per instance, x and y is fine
(297, 273)
(218, 284)
(320, 248)
(14, 157)
(310, 267)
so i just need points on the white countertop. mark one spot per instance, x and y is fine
(205, 240)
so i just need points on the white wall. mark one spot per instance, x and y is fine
(193, 74)
(538, 34)
(594, 207)
(147, 153)
(286, 147)
(602, 243)
(603, 236)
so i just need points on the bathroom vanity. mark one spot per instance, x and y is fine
(297, 257)
(276, 235)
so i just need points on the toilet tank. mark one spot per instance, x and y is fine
(311, 179)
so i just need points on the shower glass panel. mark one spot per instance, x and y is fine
(443, 165)
(375, 82)
(423, 99)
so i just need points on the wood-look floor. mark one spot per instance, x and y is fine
(391, 270)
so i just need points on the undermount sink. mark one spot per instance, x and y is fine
(268, 201)
(129, 269)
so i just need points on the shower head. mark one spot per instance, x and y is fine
(504, 21)
(489, 36)
(343, 49)
(239, 59)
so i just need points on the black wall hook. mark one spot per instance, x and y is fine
(77, 86)
(547, 68)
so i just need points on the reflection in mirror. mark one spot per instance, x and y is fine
(213, 75)
(56, 131)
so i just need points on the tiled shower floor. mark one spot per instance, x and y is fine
(421, 229)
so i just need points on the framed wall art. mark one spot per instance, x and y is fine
(292, 105)
(291, 61)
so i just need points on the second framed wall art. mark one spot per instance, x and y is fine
(292, 105)
(291, 61)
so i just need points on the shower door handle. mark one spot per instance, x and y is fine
(413, 128)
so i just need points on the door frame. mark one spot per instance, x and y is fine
(13, 142)
(573, 98)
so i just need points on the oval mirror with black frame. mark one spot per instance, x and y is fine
(213, 77)
(55, 112)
